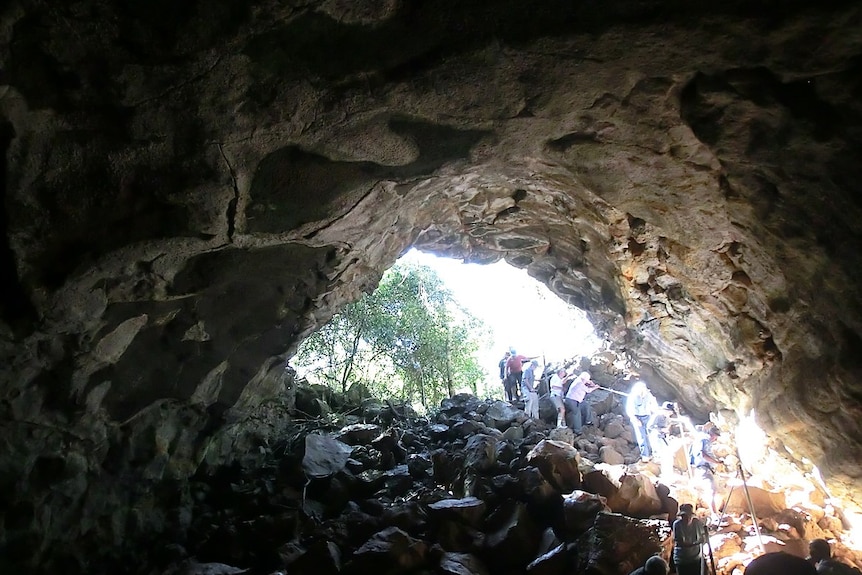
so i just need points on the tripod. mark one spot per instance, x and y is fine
(740, 472)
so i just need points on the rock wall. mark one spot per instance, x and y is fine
(191, 188)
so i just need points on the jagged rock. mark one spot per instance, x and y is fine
(514, 433)
(438, 430)
(468, 510)
(324, 456)
(389, 551)
(636, 497)
(553, 562)
(357, 434)
(481, 452)
(580, 510)
(388, 444)
(558, 463)
(618, 544)
(462, 564)
(321, 558)
(610, 455)
(447, 467)
(614, 429)
(512, 537)
(766, 503)
(465, 428)
(192, 567)
(501, 414)
(459, 403)
(419, 464)
(563, 435)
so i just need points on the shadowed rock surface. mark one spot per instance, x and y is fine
(191, 188)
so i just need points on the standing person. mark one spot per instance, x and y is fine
(688, 540)
(704, 462)
(640, 405)
(558, 380)
(515, 367)
(578, 412)
(504, 372)
(528, 390)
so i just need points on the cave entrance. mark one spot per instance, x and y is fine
(437, 326)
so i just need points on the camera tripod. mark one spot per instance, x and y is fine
(740, 472)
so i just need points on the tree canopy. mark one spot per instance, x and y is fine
(409, 339)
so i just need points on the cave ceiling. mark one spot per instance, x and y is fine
(190, 188)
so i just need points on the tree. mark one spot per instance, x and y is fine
(409, 338)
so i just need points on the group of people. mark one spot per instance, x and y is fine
(690, 535)
(567, 392)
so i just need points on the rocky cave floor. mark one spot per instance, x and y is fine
(475, 487)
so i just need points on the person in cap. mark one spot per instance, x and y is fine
(704, 462)
(578, 412)
(655, 565)
(528, 390)
(689, 535)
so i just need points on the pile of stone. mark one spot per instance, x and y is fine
(476, 488)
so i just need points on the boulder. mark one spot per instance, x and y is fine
(468, 510)
(324, 456)
(480, 453)
(766, 503)
(580, 509)
(501, 415)
(559, 464)
(461, 564)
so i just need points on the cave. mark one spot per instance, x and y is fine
(190, 189)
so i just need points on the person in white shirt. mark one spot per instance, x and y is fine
(557, 383)
(578, 412)
(640, 406)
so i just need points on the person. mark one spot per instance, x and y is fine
(503, 371)
(528, 390)
(515, 369)
(689, 535)
(558, 381)
(655, 565)
(640, 406)
(779, 562)
(820, 556)
(704, 461)
(578, 412)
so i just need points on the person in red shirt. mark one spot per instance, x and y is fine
(515, 371)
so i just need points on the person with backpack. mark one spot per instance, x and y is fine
(504, 372)
(704, 461)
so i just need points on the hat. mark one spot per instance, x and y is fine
(714, 430)
(686, 509)
(668, 405)
(534, 362)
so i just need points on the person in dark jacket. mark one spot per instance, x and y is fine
(655, 565)
(688, 539)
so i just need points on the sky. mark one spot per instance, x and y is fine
(521, 312)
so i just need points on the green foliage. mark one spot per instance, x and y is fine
(409, 339)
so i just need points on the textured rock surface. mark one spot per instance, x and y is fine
(189, 188)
